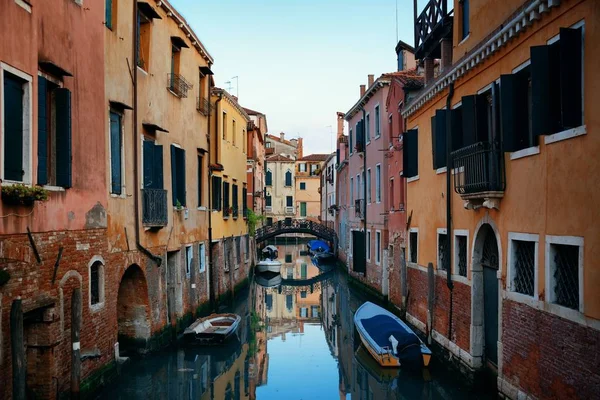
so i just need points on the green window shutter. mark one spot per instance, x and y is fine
(174, 189)
(269, 178)
(268, 201)
(457, 138)
(148, 163)
(244, 199)
(181, 186)
(438, 139)
(115, 153)
(108, 14)
(508, 112)
(289, 201)
(216, 193)
(158, 175)
(545, 92)
(225, 194)
(199, 180)
(13, 128)
(288, 178)
(42, 152)
(63, 138)
(571, 77)
(469, 120)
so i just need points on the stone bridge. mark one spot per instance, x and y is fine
(297, 226)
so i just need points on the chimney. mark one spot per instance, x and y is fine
(282, 136)
(446, 53)
(362, 90)
(429, 70)
(299, 149)
(340, 124)
(371, 79)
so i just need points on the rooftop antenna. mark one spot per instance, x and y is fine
(229, 87)
(396, 21)
(237, 86)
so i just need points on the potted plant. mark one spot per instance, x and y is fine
(178, 205)
(20, 194)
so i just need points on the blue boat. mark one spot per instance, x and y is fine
(318, 246)
(389, 340)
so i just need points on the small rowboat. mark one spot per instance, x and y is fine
(389, 340)
(215, 328)
(269, 265)
(270, 252)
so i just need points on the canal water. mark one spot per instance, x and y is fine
(296, 341)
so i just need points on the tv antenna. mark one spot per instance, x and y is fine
(237, 86)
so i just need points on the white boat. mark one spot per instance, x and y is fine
(216, 328)
(270, 252)
(268, 279)
(269, 265)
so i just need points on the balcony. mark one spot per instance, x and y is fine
(359, 208)
(479, 176)
(433, 24)
(290, 210)
(203, 105)
(178, 85)
(154, 208)
(269, 151)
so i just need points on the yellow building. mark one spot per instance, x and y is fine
(230, 247)
(308, 184)
(156, 129)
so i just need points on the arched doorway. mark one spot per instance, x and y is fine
(133, 313)
(485, 308)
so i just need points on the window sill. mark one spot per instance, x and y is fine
(442, 170)
(173, 93)
(464, 40)
(458, 170)
(52, 188)
(462, 279)
(416, 266)
(564, 135)
(114, 195)
(142, 70)
(530, 151)
(202, 271)
(201, 208)
(94, 308)
(378, 136)
(180, 209)
(412, 179)
(521, 298)
(12, 183)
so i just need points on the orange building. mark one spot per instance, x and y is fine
(514, 106)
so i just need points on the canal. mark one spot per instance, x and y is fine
(296, 341)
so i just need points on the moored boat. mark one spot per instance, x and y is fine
(269, 266)
(216, 328)
(389, 340)
(318, 246)
(268, 279)
(270, 252)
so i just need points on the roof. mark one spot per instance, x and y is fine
(383, 80)
(279, 157)
(233, 101)
(277, 139)
(404, 46)
(314, 157)
(409, 78)
(252, 112)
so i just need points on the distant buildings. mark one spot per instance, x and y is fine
(307, 184)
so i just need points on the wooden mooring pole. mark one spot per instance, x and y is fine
(17, 347)
(76, 351)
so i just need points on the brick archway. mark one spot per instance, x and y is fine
(133, 311)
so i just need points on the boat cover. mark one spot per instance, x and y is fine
(381, 327)
(318, 246)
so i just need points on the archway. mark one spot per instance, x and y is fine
(133, 313)
(485, 301)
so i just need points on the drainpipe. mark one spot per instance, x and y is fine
(449, 164)
(136, 177)
(211, 294)
(364, 181)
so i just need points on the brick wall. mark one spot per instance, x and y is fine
(547, 356)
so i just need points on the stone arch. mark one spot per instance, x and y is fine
(65, 314)
(133, 310)
(486, 234)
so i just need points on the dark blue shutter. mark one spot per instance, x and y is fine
(148, 164)
(63, 137)
(469, 120)
(570, 77)
(268, 201)
(216, 190)
(108, 14)
(115, 153)
(410, 154)
(337, 156)
(244, 199)
(351, 139)
(439, 139)
(157, 176)
(174, 190)
(199, 180)
(457, 137)
(541, 81)
(288, 178)
(42, 151)
(508, 112)
(181, 195)
(13, 128)
(289, 201)
(269, 178)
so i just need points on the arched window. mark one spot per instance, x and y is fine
(96, 277)
(288, 178)
(269, 178)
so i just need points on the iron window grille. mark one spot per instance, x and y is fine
(154, 207)
(442, 254)
(203, 105)
(462, 255)
(566, 275)
(524, 267)
(178, 85)
(414, 237)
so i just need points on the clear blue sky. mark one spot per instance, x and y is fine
(300, 61)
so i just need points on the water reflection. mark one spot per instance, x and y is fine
(296, 341)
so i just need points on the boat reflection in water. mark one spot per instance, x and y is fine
(296, 341)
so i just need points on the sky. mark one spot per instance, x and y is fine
(299, 61)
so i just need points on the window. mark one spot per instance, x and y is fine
(144, 21)
(442, 248)
(109, 13)
(153, 165)
(289, 301)
(244, 141)
(516, 104)
(235, 200)
(269, 178)
(461, 238)
(378, 183)
(401, 196)
(116, 153)
(377, 122)
(178, 176)
(350, 139)
(54, 133)
(268, 201)
(303, 296)
(247, 247)
(359, 193)
(313, 169)
(233, 132)
(392, 202)
(391, 129)
(288, 258)
(189, 259)
(303, 209)
(224, 126)
(522, 263)
(368, 128)
(314, 311)
(564, 271)
(368, 245)
(96, 271)
(268, 145)
(288, 178)
(302, 167)
(464, 13)
(269, 221)
(303, 271)
(202, 257)
(216, 193)
(414, 245)
(269, 301)
(289, 201)
(410, 167)
(290, 272)
(174, 86)
(351, 190)
(200, 179)
(245, 201)
(226, 199)
(369, 185)
(302, 185)
(378, 247)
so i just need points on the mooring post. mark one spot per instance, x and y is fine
(403, 278)
(430, 299)
(76, 351)
(17, 347)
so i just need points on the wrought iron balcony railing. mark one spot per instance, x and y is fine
(359, 208)
(178, 85)
(154, 208)
(432, 24)
(479, 169)
(203, 105)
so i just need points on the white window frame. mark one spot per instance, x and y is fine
(377, 111)
(580, 130)
(352, 189)
(510, 270)
(189, 259)
(440, 231)
(555, 308)
(101, 284)
(201, 260)
(27, 125)
(367, 128)
(378, 183)
(369, 245)
(123, 194)
(455, 271)
(411, 262)
(378, 247)
(368, 183)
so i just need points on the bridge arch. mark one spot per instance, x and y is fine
(297, 226)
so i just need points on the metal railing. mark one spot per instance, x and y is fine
(178, 85)
(359, 208)
(427, 25)
(295, 226)
(203, 105)
(479, 168)
(154, 207)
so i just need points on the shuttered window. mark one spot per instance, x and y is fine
(268, 201)
(178, 176)
(153, 165)
(411, 154)
(244, 201)
(44, 128)
(360, 136)
(438, 138)
(200, 178)
(108, 17)
(235, 198)
(516, 106)
(269, 178)
(351, 141)
(63, 137)
(116, 153)
(288, 178)
(289, 201)
(226, 195)
(216, 193)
